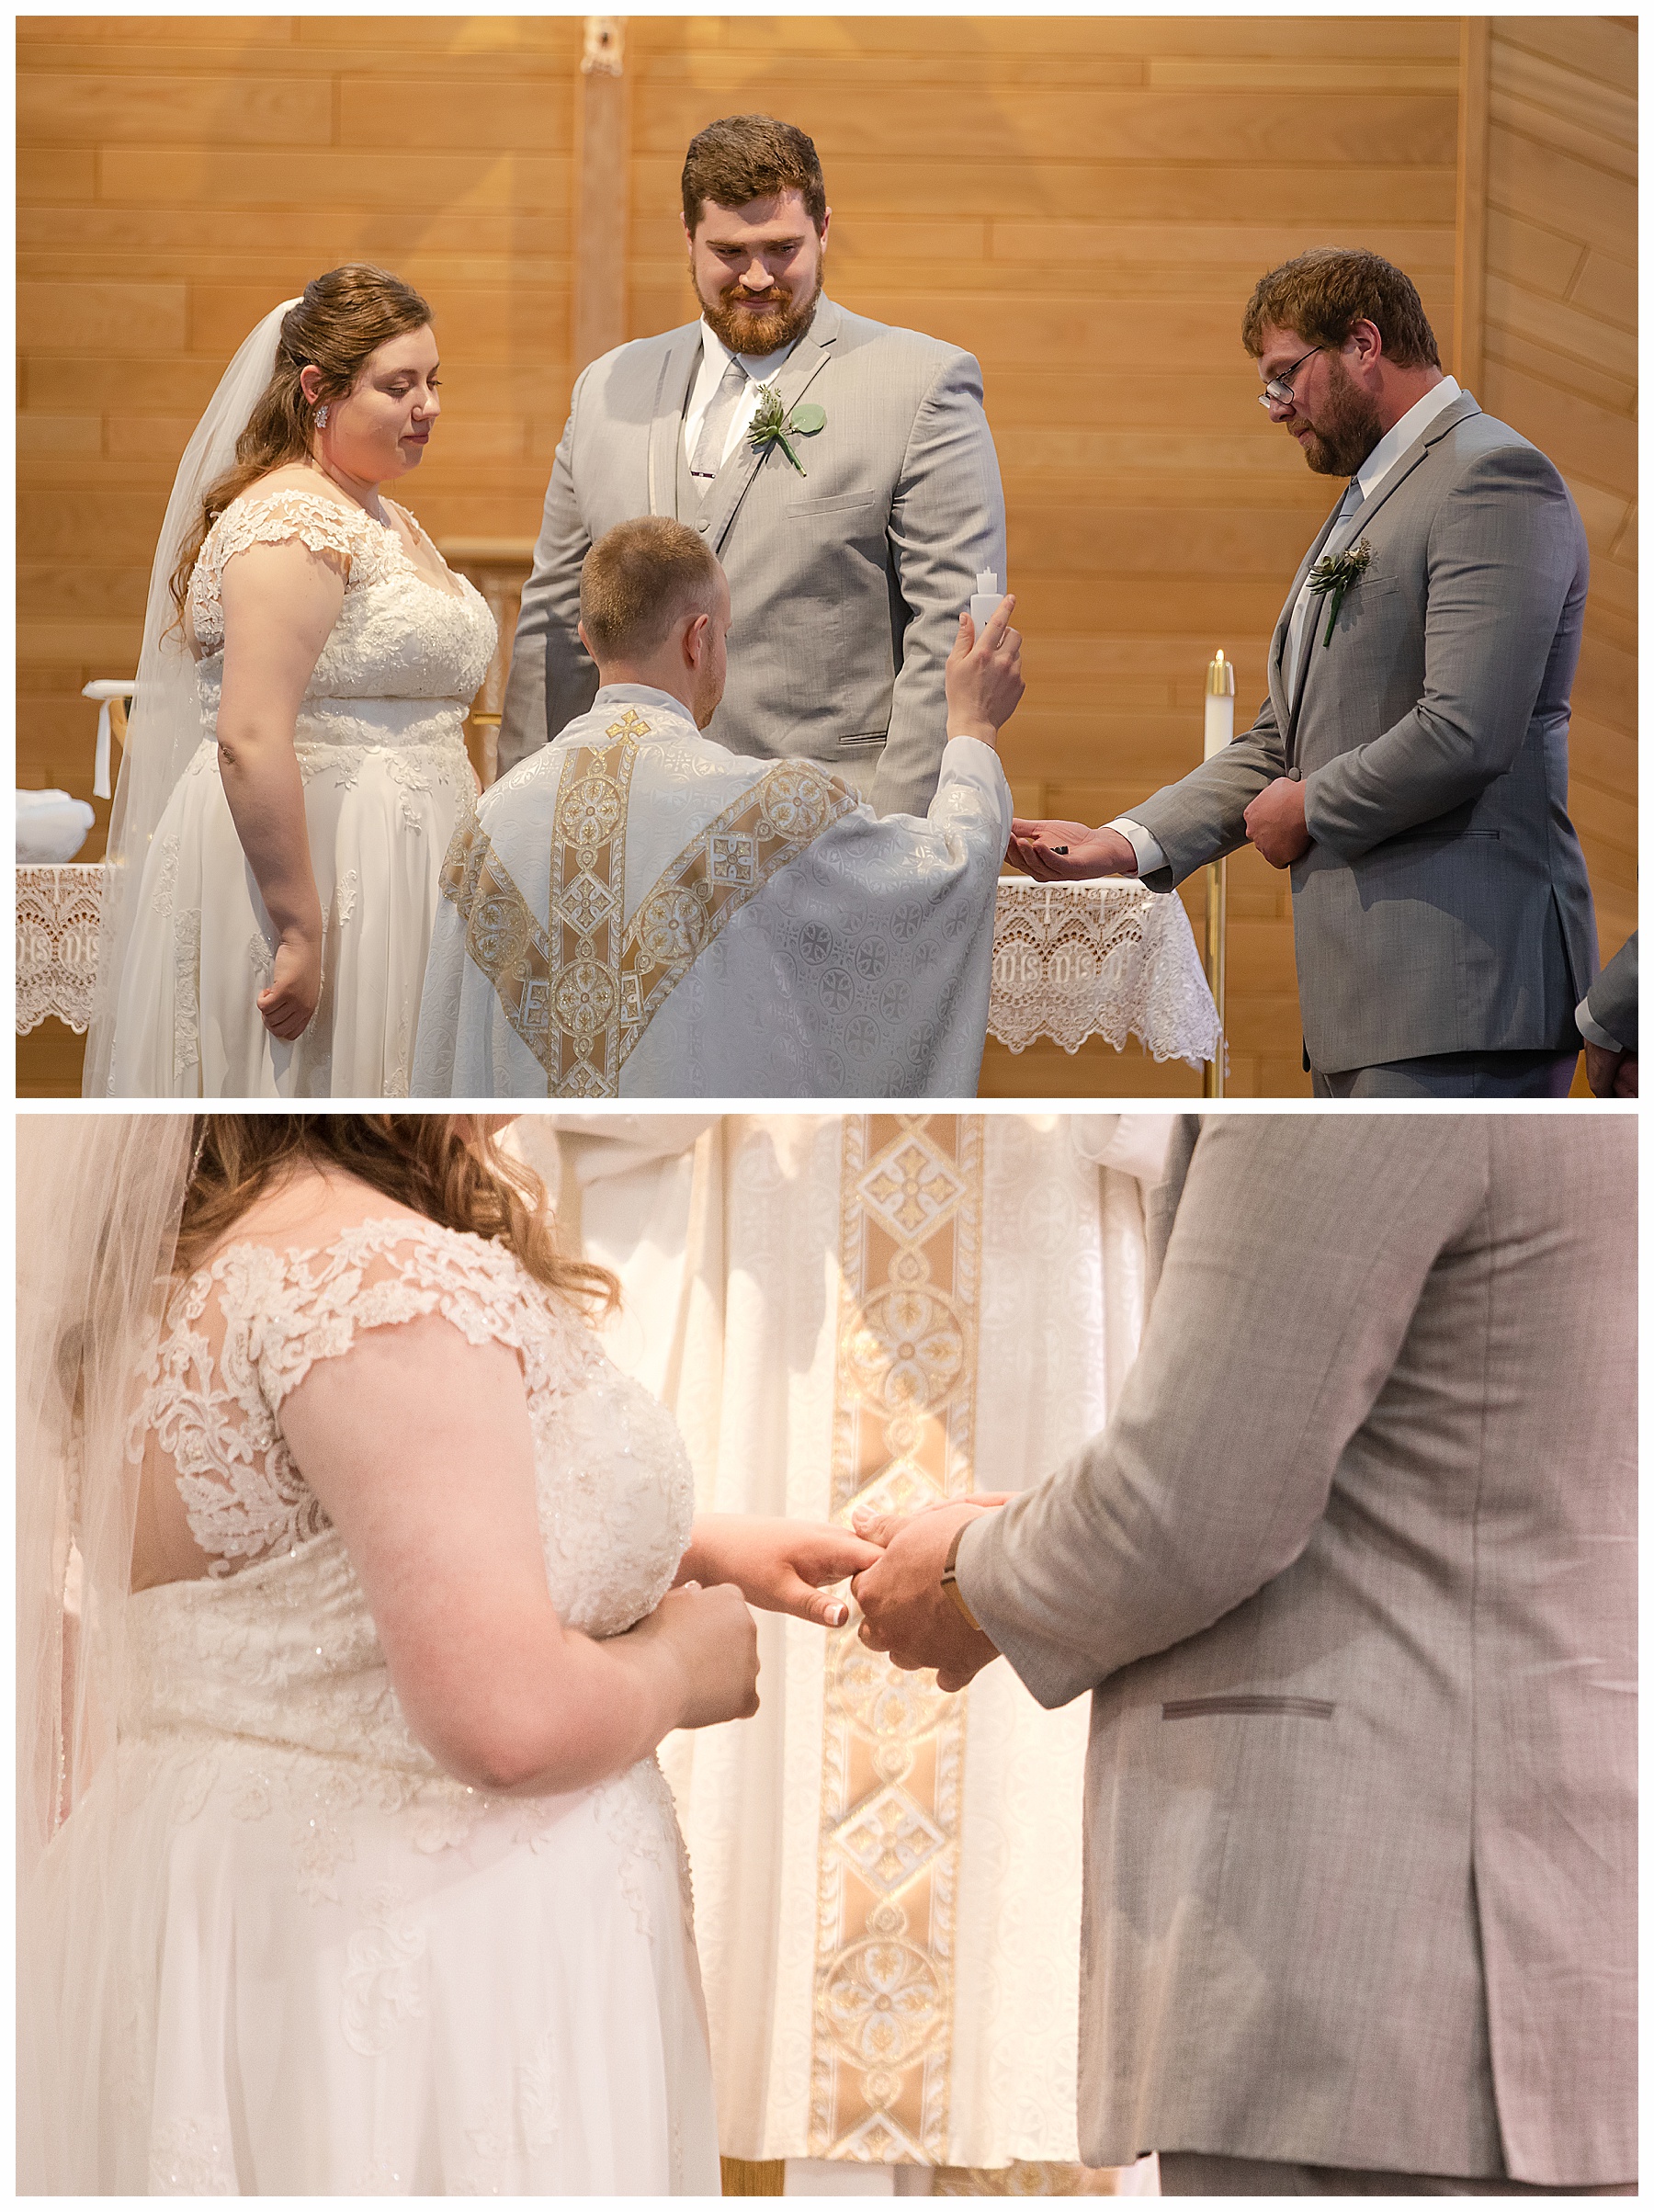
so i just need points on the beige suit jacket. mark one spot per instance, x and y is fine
(1352, 1575)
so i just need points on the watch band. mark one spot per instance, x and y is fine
(950, 1579)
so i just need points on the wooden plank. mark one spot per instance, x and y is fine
(1578, 435)
(1543, 260)
(1253, 248)
(1357, 76)
(56, 173)
(362, 180)
(1592, 106)
(1563, 378)
(312, 237)
(1563, 329)
(1539, 126)
(1547, 184)
(1297, 129)
(130, 108)
(103, 315)
(1606, 288)
(1470, 217)
(526, 110)
(775, 40)
(1592, 46)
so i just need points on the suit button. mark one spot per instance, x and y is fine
(704, 525)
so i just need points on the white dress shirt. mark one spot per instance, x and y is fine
(1369, 476)
(716, 357)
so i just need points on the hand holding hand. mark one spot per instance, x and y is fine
(1063, 852)
(906, 1610)
(983, 677)
(1274, 823)
(782, 1565)
(713, 1640)
(1610, 1074)
(294, 985)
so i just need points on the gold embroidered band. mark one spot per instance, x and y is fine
(582, 993)
(904, 1414)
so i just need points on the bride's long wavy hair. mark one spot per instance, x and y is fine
(442, 1165)
(343, 319)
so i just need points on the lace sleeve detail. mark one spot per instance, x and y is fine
(274, 519)
(245, 1331)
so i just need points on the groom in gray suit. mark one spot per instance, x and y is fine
(841, 472)
(1352, 1578)
(1409, 765)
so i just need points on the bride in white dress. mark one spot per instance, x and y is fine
(348, 1628)
(295, 766)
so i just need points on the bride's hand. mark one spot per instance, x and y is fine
(295, 986)
(784, 1566)
(714, 1642)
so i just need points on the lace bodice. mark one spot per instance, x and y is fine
(404, 644)
(276, 1641)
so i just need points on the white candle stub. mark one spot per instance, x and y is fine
(985, 599)
(1219, 705)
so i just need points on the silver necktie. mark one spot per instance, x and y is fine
(714, 428)
(1307, 601)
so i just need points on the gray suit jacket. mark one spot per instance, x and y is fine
(1611, 1000)
(1443, 905)
(1352, 1576)
(846, 582)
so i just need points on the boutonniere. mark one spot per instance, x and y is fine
(1333, 575)
(772, 426)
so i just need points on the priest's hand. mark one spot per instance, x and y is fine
(983, 678)
(1062, 852)
(1274, 823)
(907, 1611)
(781, 1566)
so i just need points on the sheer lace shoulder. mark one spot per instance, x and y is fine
(324, 525)
(243, 1331)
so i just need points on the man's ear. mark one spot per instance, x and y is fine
(695, 640)
(579, 633)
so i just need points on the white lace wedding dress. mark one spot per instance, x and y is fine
(386, 779)
(342, 1971)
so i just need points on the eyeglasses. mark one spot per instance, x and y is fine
(1277, 393)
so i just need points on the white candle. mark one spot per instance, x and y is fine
(984, 600)
(1219, 704)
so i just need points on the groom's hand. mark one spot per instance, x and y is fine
(1062, 852)
(1275, 825)
(906, 1611)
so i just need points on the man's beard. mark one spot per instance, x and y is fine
(766, 331)
(1350, 427)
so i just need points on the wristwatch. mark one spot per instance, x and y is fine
(950, 1580)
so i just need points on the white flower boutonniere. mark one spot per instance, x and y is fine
(1333, 575)
(773, 426)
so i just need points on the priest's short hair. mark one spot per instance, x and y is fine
(638, 579)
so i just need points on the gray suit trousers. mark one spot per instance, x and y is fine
(1456, 1075)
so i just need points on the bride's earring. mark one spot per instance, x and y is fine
(322, 418)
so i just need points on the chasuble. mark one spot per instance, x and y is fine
(635, 911)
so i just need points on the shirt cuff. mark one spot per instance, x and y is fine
(1593, 1032)
(1150, 859)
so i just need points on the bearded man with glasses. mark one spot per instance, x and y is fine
(1409, 765)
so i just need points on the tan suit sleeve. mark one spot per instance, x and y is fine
(1299, 1252)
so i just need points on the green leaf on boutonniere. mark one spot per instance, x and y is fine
(772, 426)
(1333, 575)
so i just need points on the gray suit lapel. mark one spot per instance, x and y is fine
(802, 366)
(1433, 432)
(1281, 686)
(678, 363)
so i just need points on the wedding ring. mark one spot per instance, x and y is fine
(1059, 848)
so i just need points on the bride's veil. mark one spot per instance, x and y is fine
(165, 725)
(99, 1198)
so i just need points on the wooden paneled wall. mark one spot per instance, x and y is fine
(1084, 202)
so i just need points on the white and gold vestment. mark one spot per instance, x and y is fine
(636, 913)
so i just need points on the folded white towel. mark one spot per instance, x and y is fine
(52, 827)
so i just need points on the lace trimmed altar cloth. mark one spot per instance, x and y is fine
(386, 779)
(1110, 959)
(348, 1973)
(58, 912)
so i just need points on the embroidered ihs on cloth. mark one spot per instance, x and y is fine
(582, 994)
(904, 1409)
